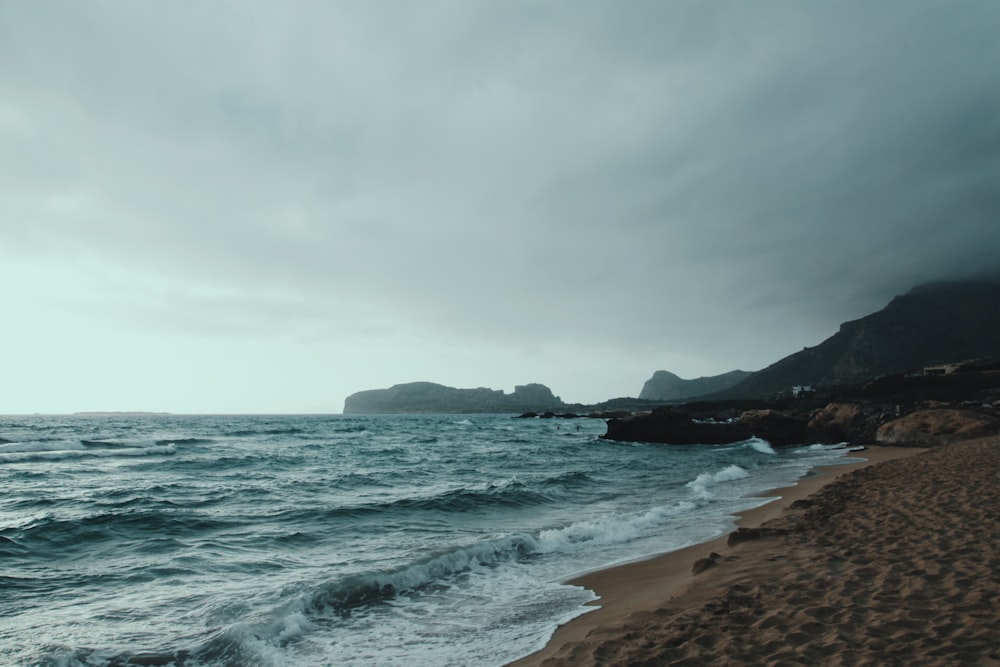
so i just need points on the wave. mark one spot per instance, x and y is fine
(343, 597)
(702, 482)
(140, 444)
(245, 433)
(185, 441)
(808, 449)
(350, 428)
(10, 547)
(264, 642)
(509, 493)
(760, 445)
(355, 480)
(569, 479)
(41, 446)
(359, 590)
(40, 450)
(613, 529)
(53, 532)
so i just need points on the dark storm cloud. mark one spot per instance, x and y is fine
(707, 177)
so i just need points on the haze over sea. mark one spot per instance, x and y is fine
(336, 540)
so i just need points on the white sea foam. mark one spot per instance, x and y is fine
(812, 449)
(609, 530)
(762, 446)
(250, 644)
(42, 446)
(700, 485)
(63, 452)
(362, 588)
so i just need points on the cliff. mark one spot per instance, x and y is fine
(933, 324)
(665, 386)
(431, 398)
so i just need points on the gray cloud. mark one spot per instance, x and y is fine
(708, 185)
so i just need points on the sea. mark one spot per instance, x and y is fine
(330, 540)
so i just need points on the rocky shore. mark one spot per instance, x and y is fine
(892, 563)
(899, 410)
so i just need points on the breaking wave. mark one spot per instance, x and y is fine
(17, 452)
(703, 482)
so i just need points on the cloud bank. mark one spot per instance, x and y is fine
(326, 197)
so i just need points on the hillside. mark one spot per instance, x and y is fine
(665, 386)
(933, 324)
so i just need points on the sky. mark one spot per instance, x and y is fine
(241, 207)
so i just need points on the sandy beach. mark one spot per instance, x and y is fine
(894, 561)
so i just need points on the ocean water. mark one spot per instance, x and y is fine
(336, 540)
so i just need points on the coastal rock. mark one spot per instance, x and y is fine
(703, 564)
(927, 428)
(836, 422)
(673, 426)
(548, 415)
(777, 427)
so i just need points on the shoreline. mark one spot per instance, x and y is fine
(646, 585)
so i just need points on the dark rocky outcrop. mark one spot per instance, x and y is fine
(674, 426)
(431, 398)
(665, 386)
(703, 564)
(933, 324)
(835, 422)
(550, 415)
(850, 422)
(900, 410)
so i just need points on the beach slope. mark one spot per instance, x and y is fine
(893, 563)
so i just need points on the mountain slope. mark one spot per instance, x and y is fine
(932, 324)
(665, 386)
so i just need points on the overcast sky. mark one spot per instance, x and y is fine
(267, 206)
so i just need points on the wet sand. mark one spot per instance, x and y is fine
(894, 561)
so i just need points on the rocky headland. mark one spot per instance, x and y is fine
(666, 386)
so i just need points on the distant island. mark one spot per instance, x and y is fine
(114, 413)
(429, 397)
